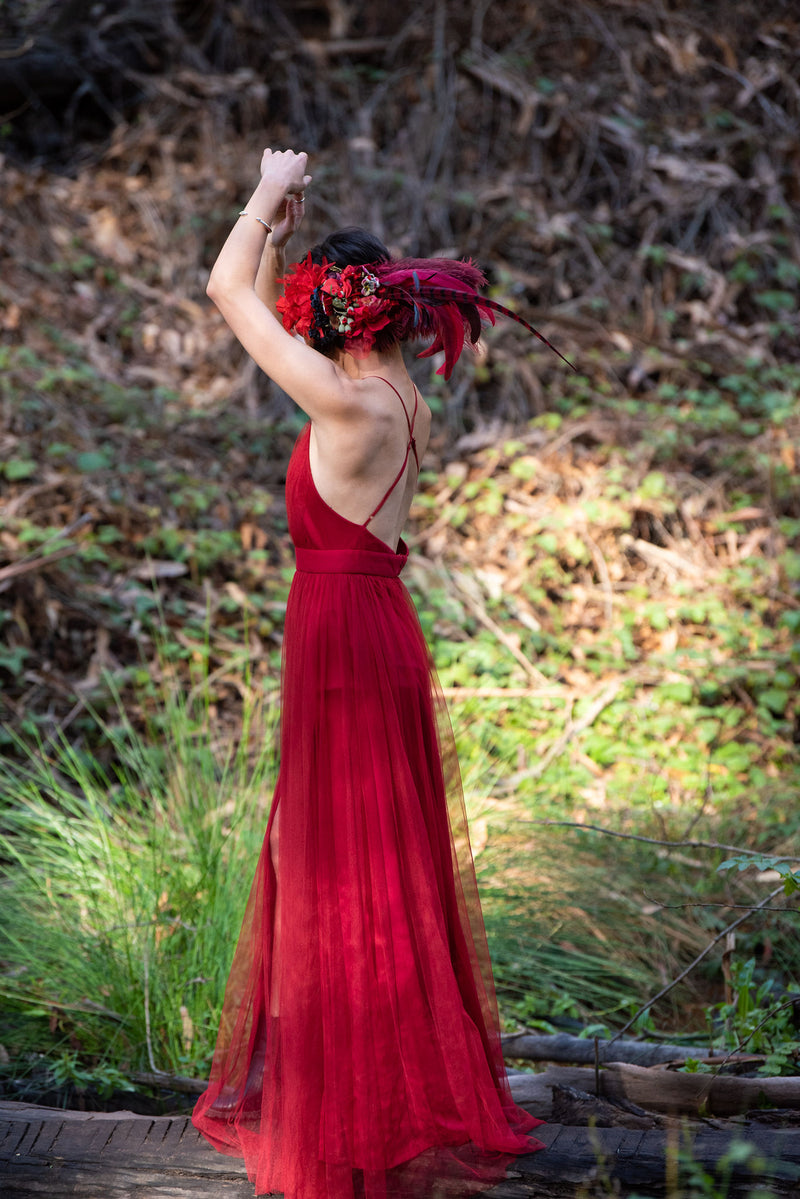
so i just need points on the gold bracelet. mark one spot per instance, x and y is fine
(260, 221)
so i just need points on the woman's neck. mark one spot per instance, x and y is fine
(370, 364)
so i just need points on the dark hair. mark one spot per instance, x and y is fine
(350, 247)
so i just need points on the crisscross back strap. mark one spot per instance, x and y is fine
(410, 448)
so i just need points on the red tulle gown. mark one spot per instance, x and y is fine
(359, 1052)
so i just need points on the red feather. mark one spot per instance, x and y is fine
(440, 299)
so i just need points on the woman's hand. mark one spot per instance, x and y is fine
(287, 221)
(286, 168)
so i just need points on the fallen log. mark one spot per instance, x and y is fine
(580, 1051)
(171, 1082)
(658, 1090)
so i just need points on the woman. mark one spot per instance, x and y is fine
(359, 1047)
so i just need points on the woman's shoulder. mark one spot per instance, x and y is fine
(379, 414)
(388, 393)
(374, 400)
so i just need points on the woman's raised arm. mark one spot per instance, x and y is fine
(242, 285)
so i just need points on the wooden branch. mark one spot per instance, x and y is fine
(460, 583)
(717, 1095)
(27, 565)
(603, 574)
(561, 1047)
(39, 558)
(171, 1082)
(320, 49)
(704, 903)
(659, 1090)
(53, 1152)
(610, 832)
(501, 692)
(668, 562)
(85, 1005)
(577, 1109)
(528, 98)
(18, 51)
(573, 729)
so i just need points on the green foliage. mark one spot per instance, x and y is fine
(542, 971)
(753, 1020)
(757, 1019)
(68, 1072)
(702, 724)
(781, 866)
(15, 469)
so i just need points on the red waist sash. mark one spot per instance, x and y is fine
(352, 562)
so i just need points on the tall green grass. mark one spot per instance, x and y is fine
(123, 888)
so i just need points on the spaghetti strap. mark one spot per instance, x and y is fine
(410, 448)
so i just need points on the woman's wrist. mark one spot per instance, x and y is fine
(264, 203)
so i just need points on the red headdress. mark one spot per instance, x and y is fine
(409, 299)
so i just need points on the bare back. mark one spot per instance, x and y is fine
(366, 467)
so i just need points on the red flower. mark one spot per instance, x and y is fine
(295, 303)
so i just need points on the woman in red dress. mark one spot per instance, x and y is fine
(359, 1049)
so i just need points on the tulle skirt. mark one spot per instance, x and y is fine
(359, 1051)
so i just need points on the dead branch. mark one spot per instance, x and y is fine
(610, 832)
(171, 1082)
(573, 729)
(15, 569)
(465, 586)
(703, 954)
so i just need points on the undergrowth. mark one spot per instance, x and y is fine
(617, 638)
(123, 888)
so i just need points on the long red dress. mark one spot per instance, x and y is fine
(370, 1066)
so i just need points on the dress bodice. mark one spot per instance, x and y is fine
(315, 526)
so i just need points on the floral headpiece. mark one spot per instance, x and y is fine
(413, 298)
(322, 301)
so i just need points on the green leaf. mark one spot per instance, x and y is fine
(92, 460)
(776, 301)
(776, 699)
(680, 692)
(19, 468)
